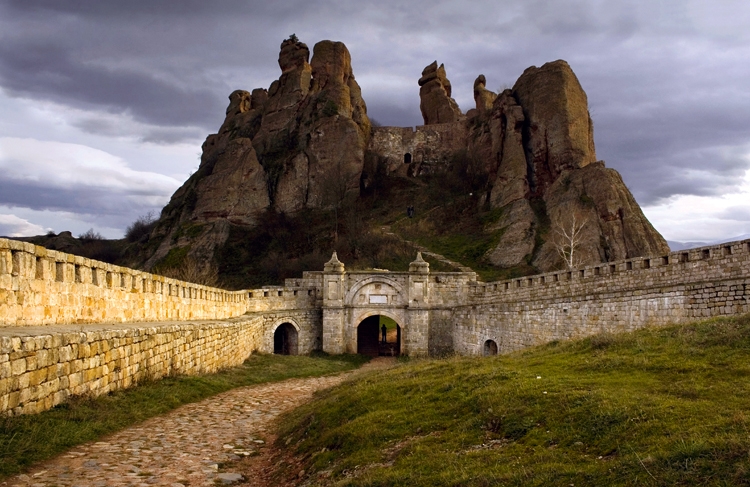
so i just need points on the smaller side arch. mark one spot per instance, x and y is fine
(285, 337)
(490, 348)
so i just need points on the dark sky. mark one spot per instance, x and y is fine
(104, 105)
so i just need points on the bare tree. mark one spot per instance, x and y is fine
(567, 235)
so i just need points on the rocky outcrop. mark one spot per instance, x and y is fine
(281, 148)
(483, 97)
(435, 97)
(541, 142)
(302, 143)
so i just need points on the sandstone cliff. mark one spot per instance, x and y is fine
(302, 144)
(539, 141)
(279, 148)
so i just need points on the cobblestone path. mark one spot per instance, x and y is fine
(194, 445)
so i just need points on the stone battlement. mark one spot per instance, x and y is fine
(44, 287)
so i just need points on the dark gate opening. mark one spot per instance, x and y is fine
(370, 337)
(407, 158)
(285, 340)
(490, 348)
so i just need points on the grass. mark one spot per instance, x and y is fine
(663, 406)
(26, 440)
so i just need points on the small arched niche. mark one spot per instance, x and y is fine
(490, 348)
(407, 158)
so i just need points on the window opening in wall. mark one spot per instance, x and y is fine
(108, 279)
(59, 271)
(379, 335)
(16, 258)
(647, 263)
(612, 268)
(747, 247)
(684, 257)
(706, 253)
(285, 340)
(281, 293)
(728, 250)
(265, 294)
(490, 348)
(582, 273)
(295, 292)
(531, 282)
(556, 278)
(518, 283)
(77, 271)
(94, 276)
(542, 280)
(122, 280)
(507, 286)
(597, 271)
(665, 260)
(309, 292)
(628, 266)
(40, 268)
(250, 295)
(407, 158)
(570, 276)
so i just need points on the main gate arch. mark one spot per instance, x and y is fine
(349, 298)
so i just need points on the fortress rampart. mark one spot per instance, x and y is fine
(72, 326)
(45, 287)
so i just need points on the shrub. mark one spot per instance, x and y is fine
(141, 227)
(90, 235)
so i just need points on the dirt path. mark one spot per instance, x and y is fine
(200, 444)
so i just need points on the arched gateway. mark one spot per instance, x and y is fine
(285, 340)
(379, 335)
(355, 301)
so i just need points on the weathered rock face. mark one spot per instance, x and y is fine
(278, 148)
(297, 144)
(558, 127)
(539, 142)
(483, 97)
(435, 96)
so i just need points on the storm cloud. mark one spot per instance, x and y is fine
(666, 81)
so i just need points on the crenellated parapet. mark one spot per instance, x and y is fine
(46, 287)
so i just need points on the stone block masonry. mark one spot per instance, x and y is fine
(41, 367)
(609, 297)
(46, 287)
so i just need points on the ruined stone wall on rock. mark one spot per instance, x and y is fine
(411, 152)
(610, 297)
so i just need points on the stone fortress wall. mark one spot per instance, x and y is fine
(411, 152)
(72, 326)
(609, 297)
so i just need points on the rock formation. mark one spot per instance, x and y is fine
(542, 138)
(302, 144)
(435, 96)
(277, 148)
(483, 97)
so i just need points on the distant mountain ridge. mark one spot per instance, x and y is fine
(675, 245)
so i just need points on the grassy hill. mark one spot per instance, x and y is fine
(667, 406)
